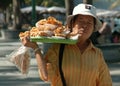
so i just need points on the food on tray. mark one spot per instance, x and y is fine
(73, 33)
(49, 20)
(50, 27)
(35, 31)
(24, 34)
(61, 32)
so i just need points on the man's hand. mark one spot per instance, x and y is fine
(26, 42)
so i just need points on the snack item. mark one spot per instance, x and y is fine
(41, 22)
(24, 34)
(52, 20)
(49, 20)
(61, 31)
(21, 58)
(35, 31)
(49, 29)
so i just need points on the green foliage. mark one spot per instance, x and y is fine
(5, 3)
(47, 3)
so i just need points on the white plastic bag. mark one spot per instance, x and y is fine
(21, 58)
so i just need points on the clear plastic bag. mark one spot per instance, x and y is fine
(21, 58)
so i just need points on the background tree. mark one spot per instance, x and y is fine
(4, 4)
(16, 15)
(115, 4)
(88, 1)
(69, 7)
(47, 3)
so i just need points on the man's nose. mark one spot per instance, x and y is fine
(84, 26)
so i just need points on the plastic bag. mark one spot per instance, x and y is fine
(21, 58)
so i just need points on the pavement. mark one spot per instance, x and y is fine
(115, 73)
(11, 76)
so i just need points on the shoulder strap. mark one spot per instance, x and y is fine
(61, 50)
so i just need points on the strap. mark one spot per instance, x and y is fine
(62, 46)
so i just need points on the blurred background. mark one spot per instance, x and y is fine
(20, 15)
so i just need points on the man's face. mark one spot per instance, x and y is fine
(84, 24)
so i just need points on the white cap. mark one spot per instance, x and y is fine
(84, 9)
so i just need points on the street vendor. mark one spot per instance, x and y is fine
(83, 64)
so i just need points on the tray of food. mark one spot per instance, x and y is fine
(50, 30)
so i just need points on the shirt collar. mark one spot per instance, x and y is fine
(90, 46)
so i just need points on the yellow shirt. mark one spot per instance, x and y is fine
(86, 69)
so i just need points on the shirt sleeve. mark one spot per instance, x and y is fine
(104, 74)
(51, 58)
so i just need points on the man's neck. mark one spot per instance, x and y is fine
(83, 45)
